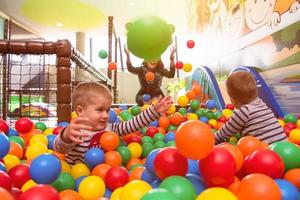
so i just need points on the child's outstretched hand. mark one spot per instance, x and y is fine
(73, 132)
(173, 50)
(163, 104)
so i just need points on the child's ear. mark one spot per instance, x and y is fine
(79, 110)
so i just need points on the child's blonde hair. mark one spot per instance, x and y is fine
(84, 92)
(241, 86)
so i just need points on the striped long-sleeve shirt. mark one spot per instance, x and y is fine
(74, 153)
(255, 119)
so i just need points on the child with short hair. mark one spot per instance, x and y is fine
(252, 117)
(92, 102)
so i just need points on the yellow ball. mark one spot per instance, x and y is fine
(91, 187)
(39, 138)
(183, 101)
(212, 122)
(281, 122)
(10, 161)
(294, 136)
(187, 67)
(227, 112)
(65, 167)
(298, 123)
(35, 150)
(192, 116)
(216, 193)
(79, 169)
(29, 184)
(116, 193)
(172, 109)
(154, 102)
(135, 149)
(145, 107)
(48, 131)
(73, 114)
(135, 190)
(233, 139)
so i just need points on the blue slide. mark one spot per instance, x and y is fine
(264, 91)
(206, 78)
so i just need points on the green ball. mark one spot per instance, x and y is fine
(201, 112)
(171, 127)
(158, 137)
(289, 153)
(182, 111)
(290, 118)
(194, 105)
(102, 54)
(146, 149)
(132, 167)
(125, 115)
(17, 139)
(181, 187)
(135, 110)
(159, 144)
(40, 125)
(171, 143)
(210, 114)
(64, 182)
(144, 130)
(125, 154)
(148, 37)
(159, 194)
(218, 114)
(147, 139)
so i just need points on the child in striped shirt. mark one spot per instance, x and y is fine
(252, 117)
(92, 102)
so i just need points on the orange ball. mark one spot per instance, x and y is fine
(113, 158)
(109, 141)
(161, 130)
(176, 119)
(28, 135)
(190, 95)
(235, 185)
(197, 88)
(236, 153)
(293, 176)
(16, 149)
(194, 139)
(69, 195)
(164, 122)
(150, 76)
(112, 66)
(258, 187)
(59, 155)
(136, 173)
(101, 170)
(5, 195)
(132, 162)
(249, 144)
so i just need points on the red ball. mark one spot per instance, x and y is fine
(222, 119)
(190, 44)
(116, 177)
(179, 65)
(264, 161)
(112, 66)
(230, 106)
(290, 125)
(218, 168)
(24, 125)
(57, 130)
(45, 192)
(20, 175)
(5, 181)
(151, 131)
(4, 126)
(16, 192)
(169, 162)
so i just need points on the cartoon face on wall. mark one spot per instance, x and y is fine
(258, 12)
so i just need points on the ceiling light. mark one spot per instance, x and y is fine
(59, 24)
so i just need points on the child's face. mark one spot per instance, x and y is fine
(96, 112)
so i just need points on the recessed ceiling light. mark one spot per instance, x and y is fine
(59, 24)
(131, 3)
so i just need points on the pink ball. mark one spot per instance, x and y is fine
(264, 161)
(169, 162)
(4, 126)
(24, 125)
(116, 177)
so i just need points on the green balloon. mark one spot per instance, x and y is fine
(181, 187)
(147, 139)
(158, 137)
(102, 54)
(171, 143)
(17, 139)
(135, 110)
(41, 126)
(182, 111)
(159, 144)
(289, 153)
(146, 149)
(148, 37)
(194, 105)
(125, 154)
(64, 182)
(290, 118)
(159, 194)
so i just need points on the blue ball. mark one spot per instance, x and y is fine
(93, 157)
(148, 177)
(2, 167)
(193, 167)
(204, 119)
(169, 136)
(146, 97)
(107, 193)
(78, 181)
(149, 164)
(287, 189)
(123, 107)
(45, 169)
(4, 145)
(63, 124)
(155, 184)
(118, 120)
(197, 182)
(51, 138)
(112, 116)
(154, 123)
(211, 104)
(12, 132)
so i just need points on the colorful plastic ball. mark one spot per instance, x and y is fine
(287, 189)
(182, 111)
(12, 132)
(293, 176)
(116, 177)
(149, 76)
(290, 118)
(180, 186)
(40, 125)
(135, 149)
(112, 66)
(154, 123)
(294, 136)
(112, 116)
(171, 110)
(149, 164)
(169, 137)
(146, 149)
(91, 187)
(5, 145)
(187, 67)
(190, 44)
(4, 126)
(146, 97)
(10, 161)
(194, 104)
(79, 170)
(235, 152)
(159, 144)
(113, 158)
(216, 193)
(151, 131)
(69, 195)
(182, 101)
(135, 110)
(136, 173)
(78, 181)
(39, 138)
(249, 144)
(211, 104)
(5, 181)
(48, 131)
(64, 182)
(45, 192)
(179, 65)
(135, 190)
(227, 112)
(158, 194)
(192, 116)
(51, 139)
(192, 134)
(115, 195)
(109, 141)
(197, 182)
(102, 54)
(24, 125)
(29, 184)
(204, 119)
(45, 169)
(93, 157)
(6, 195)
(125, 154)
(193, 167)
(19, 175)
(35, 150)
(2, 167)
(148, 177)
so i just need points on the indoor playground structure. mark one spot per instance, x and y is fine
(176, 156)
